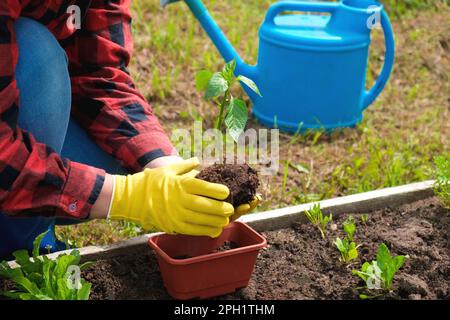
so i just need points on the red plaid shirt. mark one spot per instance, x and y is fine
(33, 178)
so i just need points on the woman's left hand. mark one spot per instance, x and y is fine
(246, 208)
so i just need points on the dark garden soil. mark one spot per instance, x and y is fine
(241, 179)
(298, 264)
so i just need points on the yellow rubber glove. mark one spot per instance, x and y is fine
(246, 208)
(172, 200)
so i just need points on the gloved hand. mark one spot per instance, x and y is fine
(170, 199)
(246, 208)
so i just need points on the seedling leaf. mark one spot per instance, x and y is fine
(237, 116)
(364, 218)
(349, 227)
(37, 244)
(86, 265)
(84, 292)
(228, 71)
(217, 85)
(249, 83)
(202, 78)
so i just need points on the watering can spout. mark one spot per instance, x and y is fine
(219, 39)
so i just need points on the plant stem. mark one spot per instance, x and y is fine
(222, 109)
(322, 233)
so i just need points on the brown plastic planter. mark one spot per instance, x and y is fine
(207, 274)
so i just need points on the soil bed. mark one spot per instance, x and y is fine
(298, 264)
(242, 181)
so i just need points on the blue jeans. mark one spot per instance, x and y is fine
(45, 102)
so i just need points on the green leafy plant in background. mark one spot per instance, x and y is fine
(349, 227)
(347, 247)
(442, 175)
(217, 87)
(379, 274)
(317, 218)
(364, 218)
(40, 278)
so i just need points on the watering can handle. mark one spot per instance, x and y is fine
(283, 6)
(372, 94)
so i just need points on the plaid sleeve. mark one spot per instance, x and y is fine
(105, 100)
(33, 178)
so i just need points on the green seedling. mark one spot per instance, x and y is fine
(442, 184)
(347, 248)
(349, 227)
(364, 218)
(316, 217)
(39, 278)
(379, 274)
(217, 87)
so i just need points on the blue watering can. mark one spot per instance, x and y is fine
(312, 65)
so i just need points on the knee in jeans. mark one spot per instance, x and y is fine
(44, 83)
(39, 50)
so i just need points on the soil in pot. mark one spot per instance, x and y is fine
(228, 245)
(241, 179)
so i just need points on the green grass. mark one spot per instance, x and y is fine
(396, 143)
(403, 8)
(442, 175)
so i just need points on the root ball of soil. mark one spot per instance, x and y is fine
(241, 179)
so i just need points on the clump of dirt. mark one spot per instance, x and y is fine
(241, 179)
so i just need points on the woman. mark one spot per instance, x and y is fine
(73, 125)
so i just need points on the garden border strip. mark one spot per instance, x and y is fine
(282, 218)
(357, 203)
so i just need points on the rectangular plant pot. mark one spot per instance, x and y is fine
(205, 273)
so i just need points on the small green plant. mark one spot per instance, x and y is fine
(379, 274)
(442, 184)
(217, 87)
(349, 227)
(316, 217)
(347, 248)
(364, 218)
(40, 278)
